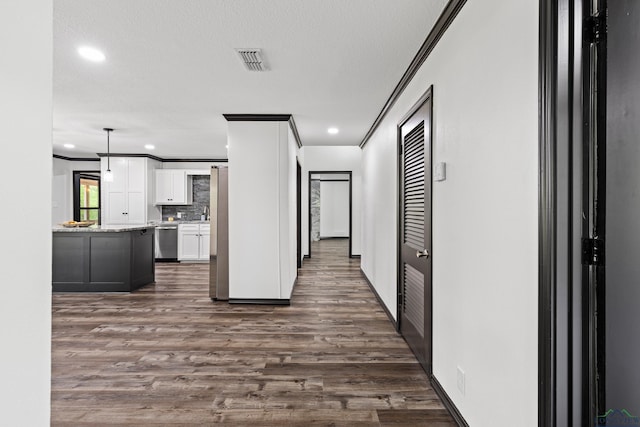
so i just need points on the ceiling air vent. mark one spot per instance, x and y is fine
(252, 59)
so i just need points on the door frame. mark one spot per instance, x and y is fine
(91, 174)
(350, 173)
(299, 213)
(399, 291)
(566, 392)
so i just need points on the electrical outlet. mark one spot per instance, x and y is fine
(179, 215)
(461, 380)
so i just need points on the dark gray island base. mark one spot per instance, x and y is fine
(103, 258)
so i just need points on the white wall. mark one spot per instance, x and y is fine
(62, 187)
(262, 237)
(485, 281)
(333, 158)
(25, 177)
(334, 209)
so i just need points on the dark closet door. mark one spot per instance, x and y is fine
(619, 357)
(415, 230)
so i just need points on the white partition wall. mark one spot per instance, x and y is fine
(262, 216)
(25, 295)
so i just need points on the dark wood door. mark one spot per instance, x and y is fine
(415, 230)
(299, 214)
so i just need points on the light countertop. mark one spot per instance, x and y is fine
(102, 228)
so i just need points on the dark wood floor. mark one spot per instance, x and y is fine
(167, 354)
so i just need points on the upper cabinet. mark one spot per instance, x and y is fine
(173, 187)
(127, 199)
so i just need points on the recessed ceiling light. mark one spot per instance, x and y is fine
(333, 131)
(69, 146)
(150, 146)
(91, 54)
(226, 146)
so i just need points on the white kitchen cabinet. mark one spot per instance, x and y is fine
(127, 199)
(173, 187)
(205, 240)
(193, 242)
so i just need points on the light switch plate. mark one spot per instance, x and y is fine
(461, 380)
(440, 173)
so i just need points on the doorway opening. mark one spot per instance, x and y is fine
(330, 206)
(86, 196)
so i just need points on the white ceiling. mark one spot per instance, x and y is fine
(171, 70)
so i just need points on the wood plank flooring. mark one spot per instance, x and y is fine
(167, 355)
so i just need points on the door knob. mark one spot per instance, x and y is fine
(421, 254)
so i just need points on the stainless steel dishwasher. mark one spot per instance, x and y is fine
(167, 242)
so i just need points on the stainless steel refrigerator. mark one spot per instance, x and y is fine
(219, 258)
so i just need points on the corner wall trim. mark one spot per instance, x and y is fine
(447, 16)
(447, 402)
(294, 130)
(382, 304)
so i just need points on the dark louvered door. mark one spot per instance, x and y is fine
(415, 231)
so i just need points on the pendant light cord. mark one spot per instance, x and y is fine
(108, 150)
(108, 130)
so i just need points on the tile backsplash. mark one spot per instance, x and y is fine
(201, 195)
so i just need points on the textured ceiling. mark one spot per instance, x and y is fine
(172, 71)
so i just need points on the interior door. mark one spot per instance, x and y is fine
(620, 400)
(415, 230)
(299, 214)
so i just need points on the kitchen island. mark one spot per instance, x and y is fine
(107, 258)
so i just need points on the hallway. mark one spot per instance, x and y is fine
(167, 354)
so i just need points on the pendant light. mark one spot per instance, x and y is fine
(108, 175)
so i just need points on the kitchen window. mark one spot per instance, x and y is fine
(86, 196)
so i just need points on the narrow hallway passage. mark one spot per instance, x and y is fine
(167, 354)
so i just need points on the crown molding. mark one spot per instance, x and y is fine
(149, 156)
(447, 16)
(76, 159)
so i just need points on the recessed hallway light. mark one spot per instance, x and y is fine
(91, 54)
(333, 131)
(150, 146)
(69, 146)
